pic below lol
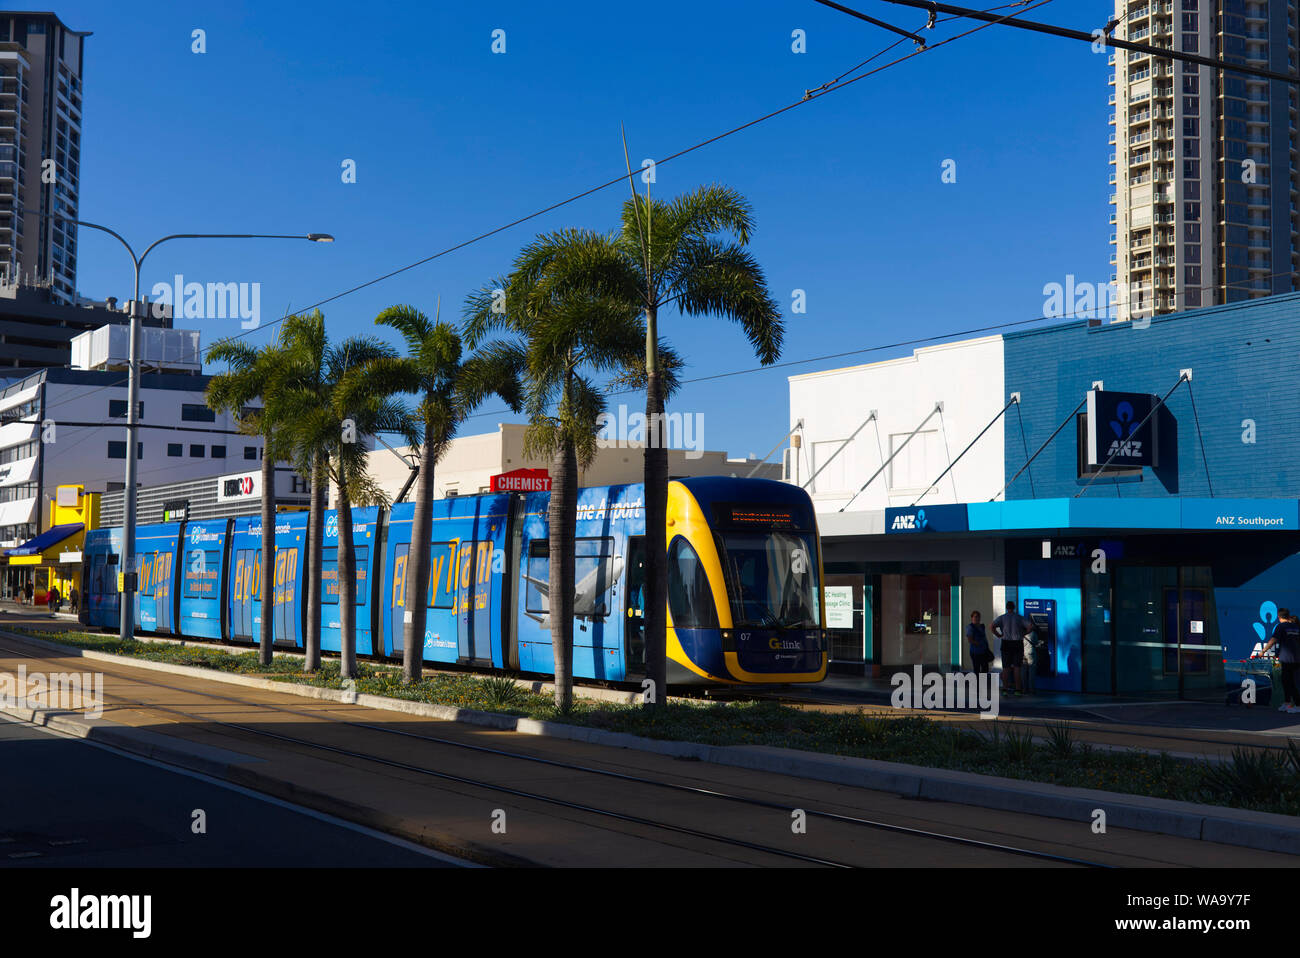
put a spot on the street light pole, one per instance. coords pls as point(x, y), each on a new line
point(127, 564)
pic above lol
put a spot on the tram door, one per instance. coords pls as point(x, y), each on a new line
point(473, 602)
point(634, 631)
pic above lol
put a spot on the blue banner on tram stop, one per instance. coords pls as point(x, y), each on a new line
point(1121, 429)
point(940, 518)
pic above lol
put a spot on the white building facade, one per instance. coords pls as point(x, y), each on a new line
point(890, 436)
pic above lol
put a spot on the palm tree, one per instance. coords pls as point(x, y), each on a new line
point(566, 335)
point(449, 387)
point(250, 377)
point(304, 345)
point(330, 425)
point(689, 251)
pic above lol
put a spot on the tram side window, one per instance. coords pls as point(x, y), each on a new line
point(443, 574)
point(690, 599)
point(329, 576)
point(146, 568)
point(593, 566)
point(201, 569)
point(362, 561)
point(539, 576)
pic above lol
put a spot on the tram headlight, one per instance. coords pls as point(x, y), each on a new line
point(728, 641)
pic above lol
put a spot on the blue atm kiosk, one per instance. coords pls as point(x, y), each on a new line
point(1042, 612)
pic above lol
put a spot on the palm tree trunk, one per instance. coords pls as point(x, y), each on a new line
point(563, 518)
point(266, 634)
point(656, 519)
point(417, 591)
point(316, 527)
point(347, 581)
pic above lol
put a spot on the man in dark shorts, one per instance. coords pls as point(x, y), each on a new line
point(1012, 628)
point(1286, 636)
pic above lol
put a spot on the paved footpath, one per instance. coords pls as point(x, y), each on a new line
point(502, 798)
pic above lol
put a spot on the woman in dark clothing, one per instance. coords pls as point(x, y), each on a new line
point(981, 655)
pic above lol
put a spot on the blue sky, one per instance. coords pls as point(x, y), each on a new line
point(451, 140)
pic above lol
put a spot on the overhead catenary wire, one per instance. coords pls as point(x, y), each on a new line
point(808, 96)
point(1102, 37)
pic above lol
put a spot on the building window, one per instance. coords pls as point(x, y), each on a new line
point(117, 409)
point(117, 449)
point(175, 449)
point(193, 412)
point(250, 452)
point(218, 452)
point(1192, 275)
point(196, 451)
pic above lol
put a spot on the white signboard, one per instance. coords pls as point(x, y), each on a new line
point(1198, 626)
point(242, 485)
point(839, 607)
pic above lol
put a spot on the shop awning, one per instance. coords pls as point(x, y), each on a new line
point(50, 537)
point(1134, 514)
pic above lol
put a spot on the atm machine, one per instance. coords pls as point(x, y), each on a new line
point(1042, 613)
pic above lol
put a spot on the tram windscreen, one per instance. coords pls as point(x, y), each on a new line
point(771, 579)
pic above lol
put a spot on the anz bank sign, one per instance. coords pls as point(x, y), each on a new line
point(1121, 429)
point(944, 518)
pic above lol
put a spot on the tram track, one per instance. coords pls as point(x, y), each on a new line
point(834, 818)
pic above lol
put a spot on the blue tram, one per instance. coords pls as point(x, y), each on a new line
point(744, 598)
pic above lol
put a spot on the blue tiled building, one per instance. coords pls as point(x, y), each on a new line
point(1154, 578)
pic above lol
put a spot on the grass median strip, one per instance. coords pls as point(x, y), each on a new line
point(1253, 779)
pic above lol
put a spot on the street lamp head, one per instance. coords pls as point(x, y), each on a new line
point(320, 237)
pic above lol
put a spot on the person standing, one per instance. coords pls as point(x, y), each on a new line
point(30, 591)
point(73, 598)
point(1013, 628)
point(1286, 636)
point(981, 656)
point(54, 599)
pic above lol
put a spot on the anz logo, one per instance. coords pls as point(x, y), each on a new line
point(1124, 425)
point(912, 522)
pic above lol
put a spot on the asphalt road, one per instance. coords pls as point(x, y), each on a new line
point(70, 804)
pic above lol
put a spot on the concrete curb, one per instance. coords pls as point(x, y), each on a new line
point(1261, 830)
